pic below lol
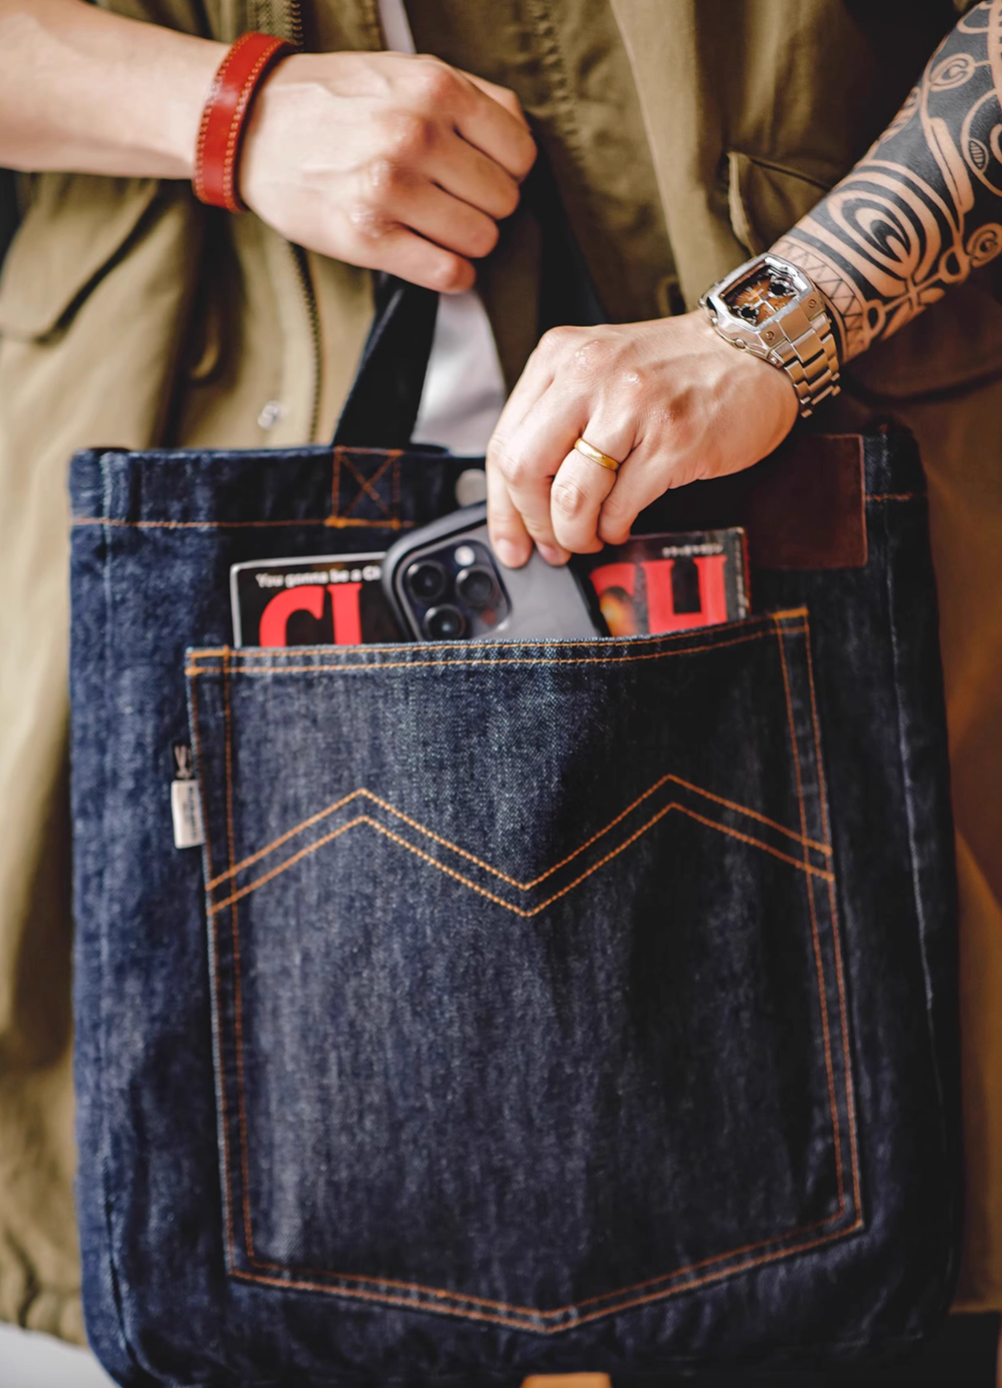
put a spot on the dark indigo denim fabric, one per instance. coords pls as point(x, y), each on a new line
point(531, 1007)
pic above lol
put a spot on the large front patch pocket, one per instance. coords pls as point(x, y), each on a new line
point(529, 1000)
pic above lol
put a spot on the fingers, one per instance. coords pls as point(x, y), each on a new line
point(558, 491)
point(576, 497)
point(489, 122)
point(408, 198)
point(469, 175)
point(527, 464)
point(509, 537)
point(523, 487)
point(401, 252)
point(504, 96)
point(637, 485)
point(666, 398)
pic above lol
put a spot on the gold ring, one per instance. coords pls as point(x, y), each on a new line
point(596, 455)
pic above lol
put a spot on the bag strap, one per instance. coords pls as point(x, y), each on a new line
point(382, 405)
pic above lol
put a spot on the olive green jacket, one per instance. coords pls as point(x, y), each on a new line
point(684, 135)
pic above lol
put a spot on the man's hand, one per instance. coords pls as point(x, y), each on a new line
point(385, 160)
point(668, 399)
point(388, 161)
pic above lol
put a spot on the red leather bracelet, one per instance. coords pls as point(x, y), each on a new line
point(224, 117)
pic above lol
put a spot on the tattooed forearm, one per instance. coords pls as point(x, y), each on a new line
point(923, 208)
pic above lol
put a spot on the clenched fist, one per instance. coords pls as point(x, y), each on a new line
point(387, 161)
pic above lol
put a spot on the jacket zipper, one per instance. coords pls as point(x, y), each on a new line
point(313, 314)
point(292, 25)
point(293, 9)
point(294, 13)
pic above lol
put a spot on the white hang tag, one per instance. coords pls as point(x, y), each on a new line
point(186, 812)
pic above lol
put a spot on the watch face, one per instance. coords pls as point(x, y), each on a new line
point(765, 292)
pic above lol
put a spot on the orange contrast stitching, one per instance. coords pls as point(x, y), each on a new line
point(472, 857)
point(367, 484)
point(343, 522)
point(237, 985)
point(203, 128)
point(229, 188)
point(532, 1323)
point(829, 1065)
point(839, 972)
point(766, 624)
point(340, 521)
point(335, 489)
point(893, 496)
point(491, 896)
point(557, 1311)
point(488, 664)
point(227, 1197)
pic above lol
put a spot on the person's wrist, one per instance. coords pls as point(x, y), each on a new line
point(789, 249)
point(225, 117)
point(770, 308)
point(181, 113)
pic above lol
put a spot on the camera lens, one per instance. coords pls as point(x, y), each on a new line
point(426, 580)
point(476, 586)
point(444, 623)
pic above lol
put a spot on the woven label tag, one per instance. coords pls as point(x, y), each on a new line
point(186, 812)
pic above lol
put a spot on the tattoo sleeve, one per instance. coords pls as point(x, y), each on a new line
point(923, 207)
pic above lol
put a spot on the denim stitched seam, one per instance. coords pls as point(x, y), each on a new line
point(814, 918)
point(492, 896)
point(223, 1126)
point(531, 1318)
point(529, 1312)
point(531, 1321)
point(913, 863)
point(237, 984)
point(485, 664)
point(839, 969)
point(318, 521)
point(471, 857)
point(366, 487)
point(763, 626)
point(108, 1197)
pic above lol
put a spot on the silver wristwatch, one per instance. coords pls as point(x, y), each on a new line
point(769, 307)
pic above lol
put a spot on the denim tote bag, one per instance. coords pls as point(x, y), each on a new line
point(529, 1007)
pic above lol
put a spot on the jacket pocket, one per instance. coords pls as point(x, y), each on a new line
point(765, 199)
point(74, 228)
point(529, 1002)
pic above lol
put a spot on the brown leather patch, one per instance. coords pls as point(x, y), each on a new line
point(566, 1381)
point(802, 507)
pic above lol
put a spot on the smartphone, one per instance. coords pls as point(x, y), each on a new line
point(444, 584)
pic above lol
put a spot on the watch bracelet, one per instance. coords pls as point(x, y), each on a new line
point(811, 361)
point(812, 358)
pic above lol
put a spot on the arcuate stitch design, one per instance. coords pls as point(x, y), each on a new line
point(362, 791)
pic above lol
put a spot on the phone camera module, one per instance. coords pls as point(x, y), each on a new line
point(476, 587)
point(445, 623)
point(426, 580)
